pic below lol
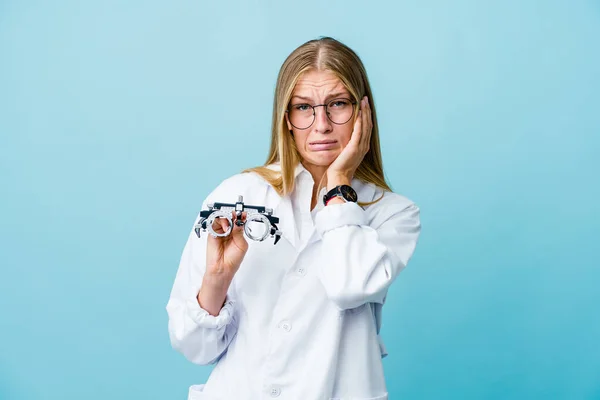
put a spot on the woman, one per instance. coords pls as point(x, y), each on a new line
point(300, 319)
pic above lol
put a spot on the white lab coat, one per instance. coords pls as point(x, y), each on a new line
point(301, 317)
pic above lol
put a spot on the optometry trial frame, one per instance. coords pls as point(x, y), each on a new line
point(253, 214)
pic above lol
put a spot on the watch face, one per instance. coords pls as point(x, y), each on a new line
point(348, 193)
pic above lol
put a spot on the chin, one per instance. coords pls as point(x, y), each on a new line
point(322, 160)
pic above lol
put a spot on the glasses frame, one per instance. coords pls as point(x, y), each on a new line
point(326, 112)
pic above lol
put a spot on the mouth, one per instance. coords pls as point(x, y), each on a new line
point(322, 145)
point(323, 142)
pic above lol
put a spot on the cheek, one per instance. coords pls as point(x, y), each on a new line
point(345, 134)
point(300, 140)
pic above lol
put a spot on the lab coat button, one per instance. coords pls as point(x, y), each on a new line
point(301, 271)
point(285, 325)
point(275, 392)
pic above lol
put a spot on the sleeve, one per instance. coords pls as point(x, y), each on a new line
point(367, 257)
point(202, 338)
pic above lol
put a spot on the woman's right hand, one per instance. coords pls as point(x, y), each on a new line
point(224, 255)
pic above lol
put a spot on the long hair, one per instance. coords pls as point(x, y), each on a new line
point(323, 54)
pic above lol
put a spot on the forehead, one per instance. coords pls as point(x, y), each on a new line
point(314, 83)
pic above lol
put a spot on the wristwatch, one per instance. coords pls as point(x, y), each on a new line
point(344, 191)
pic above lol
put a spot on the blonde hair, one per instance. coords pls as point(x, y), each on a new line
point(322, 54)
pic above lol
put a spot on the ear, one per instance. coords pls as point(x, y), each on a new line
point(287, 120)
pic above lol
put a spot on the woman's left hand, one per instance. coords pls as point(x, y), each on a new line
point(344, 166)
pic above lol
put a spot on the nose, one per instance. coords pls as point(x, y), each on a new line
point(322, 122)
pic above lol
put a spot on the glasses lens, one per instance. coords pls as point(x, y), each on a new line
point(301, 115)
point(257, 227)
point(340, 111)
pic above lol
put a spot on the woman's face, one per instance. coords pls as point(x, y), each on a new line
point(323, 141)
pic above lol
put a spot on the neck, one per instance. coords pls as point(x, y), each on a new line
point(317, 172)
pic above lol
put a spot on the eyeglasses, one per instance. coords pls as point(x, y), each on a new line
point(339, 111)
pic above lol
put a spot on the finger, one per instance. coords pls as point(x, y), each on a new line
point(367, 125)
point(369, 115)
point(216, 225)
point(244, 215)
point(235, 218)
point(238, 231)
point(357, 132)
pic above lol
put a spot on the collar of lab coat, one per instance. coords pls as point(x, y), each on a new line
point(283, 207)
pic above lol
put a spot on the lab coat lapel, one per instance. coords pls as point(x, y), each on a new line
point(283, 209)
point(285, 212)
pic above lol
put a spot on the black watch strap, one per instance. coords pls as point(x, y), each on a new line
point(344, 191)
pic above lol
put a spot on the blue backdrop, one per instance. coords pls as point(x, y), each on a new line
point(489, 117)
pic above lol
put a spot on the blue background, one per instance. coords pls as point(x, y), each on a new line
point(490, 121)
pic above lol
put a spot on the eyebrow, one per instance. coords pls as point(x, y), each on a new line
point(333, 95)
